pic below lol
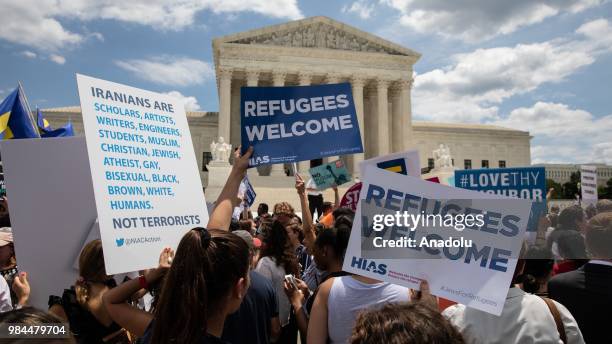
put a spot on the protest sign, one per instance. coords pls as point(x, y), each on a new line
point(146, 181)
point(588, 184)
point(351, 197)
point(50, 220)
point(406, 163)
point(296, 123)
point(330, 174)
point(521, 182)
point(246, 191)
point(489, 260)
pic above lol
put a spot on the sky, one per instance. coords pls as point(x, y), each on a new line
point(544, 66)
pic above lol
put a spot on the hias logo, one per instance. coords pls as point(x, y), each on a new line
point(259, 160)
point(119, 242)
point(369, 265)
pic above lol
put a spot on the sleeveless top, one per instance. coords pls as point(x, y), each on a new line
point(84, 325)
point(348, 297)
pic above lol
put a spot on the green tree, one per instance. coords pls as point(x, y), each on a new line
point(605, 192)
point(570, 189)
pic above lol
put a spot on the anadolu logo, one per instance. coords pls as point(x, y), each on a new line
point(119, 242)
point(260, 160)
point(369, 265)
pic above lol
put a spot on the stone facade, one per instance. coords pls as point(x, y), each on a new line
point(561, 173)
point(471, 142)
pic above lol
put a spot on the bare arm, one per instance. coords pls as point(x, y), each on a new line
point(336, 197)
point(275, 329)
point(296, 298)
point(131, 318)
point(317, 327)
point(224, 208)
point(307, 225)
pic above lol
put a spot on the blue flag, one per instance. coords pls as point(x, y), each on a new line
point(43, 125)
point(64, 131)
point(15, 120)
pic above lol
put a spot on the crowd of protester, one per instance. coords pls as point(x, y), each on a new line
point(277, 278)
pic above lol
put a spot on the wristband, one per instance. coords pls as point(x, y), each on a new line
point(142, 281)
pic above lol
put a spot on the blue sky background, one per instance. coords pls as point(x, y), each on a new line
point(537, 65)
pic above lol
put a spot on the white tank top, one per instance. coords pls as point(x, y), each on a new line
point(348, 296)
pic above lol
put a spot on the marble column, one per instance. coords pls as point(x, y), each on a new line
point(382, 117)
point(304, 79)
point(405, 87)
point(357, 84)
point(332, 78)
point(225, 98)
point(397, 120)
point(278, 80)
point(252, 78)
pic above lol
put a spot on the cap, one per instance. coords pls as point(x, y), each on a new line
point(247, 237)
point(6, 236)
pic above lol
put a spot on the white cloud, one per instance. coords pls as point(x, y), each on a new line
point(476, 83)
point(36, 23)
point(29, 54)
point(169, 70)
point(563, 134)
point(362, 8)
point(57, 59)
point(191, 103)
point(472, 21)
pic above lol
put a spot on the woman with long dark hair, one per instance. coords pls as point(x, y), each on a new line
point(205, 281)
point(81, 306)
point(277, 260)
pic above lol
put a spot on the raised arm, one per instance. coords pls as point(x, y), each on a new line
point(131, 318)
point(336, 197)
point(224, 208)
point(307, 223)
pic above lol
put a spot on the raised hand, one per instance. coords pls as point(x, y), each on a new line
point(21, 287)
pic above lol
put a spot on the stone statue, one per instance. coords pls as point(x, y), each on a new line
point(442, 157)
point(220, 150)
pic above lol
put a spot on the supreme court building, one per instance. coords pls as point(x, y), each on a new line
point(320, 50)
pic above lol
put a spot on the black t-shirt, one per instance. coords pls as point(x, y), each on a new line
point(251, 322)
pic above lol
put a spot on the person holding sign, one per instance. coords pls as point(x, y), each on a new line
point(203, 283)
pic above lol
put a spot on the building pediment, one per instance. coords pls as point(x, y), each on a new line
point(317, 32)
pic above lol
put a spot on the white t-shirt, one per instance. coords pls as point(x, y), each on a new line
point(525, 319)
point(5, 296)
point(276, 274)
point(311, 185)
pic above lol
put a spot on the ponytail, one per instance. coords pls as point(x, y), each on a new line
point(205, 268)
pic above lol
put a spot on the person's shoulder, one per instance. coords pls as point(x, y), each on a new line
point(566, 279)
point(325, 287)
point(260, 282)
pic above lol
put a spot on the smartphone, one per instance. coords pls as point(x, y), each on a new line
point(291, 279)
